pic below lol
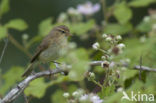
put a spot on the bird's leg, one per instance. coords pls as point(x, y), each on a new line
point(57, 66)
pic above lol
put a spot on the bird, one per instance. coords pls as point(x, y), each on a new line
point(50, 49)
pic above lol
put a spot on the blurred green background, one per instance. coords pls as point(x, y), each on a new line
point(134, 20)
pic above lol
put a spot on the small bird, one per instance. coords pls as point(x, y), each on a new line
point(51, 48)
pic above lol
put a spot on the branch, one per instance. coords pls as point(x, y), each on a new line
point(15, 92)
point(95, 63)
point(136, 67)
point(144, 68)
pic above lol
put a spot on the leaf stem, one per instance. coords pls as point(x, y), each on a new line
point(3, 51)
point(18, 45)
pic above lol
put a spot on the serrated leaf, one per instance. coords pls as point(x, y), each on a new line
point(45, 26)
point(10, 78)
point(4, 7)
point(118, 29)
point(36, 88)
point(17, 24)
point(3, 32)
point(122, 13)
point(141, 3)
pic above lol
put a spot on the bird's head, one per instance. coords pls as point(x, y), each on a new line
point(62, 30)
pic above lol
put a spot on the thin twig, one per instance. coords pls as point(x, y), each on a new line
point(3, 51)
point(136, 67)
point(18, 45)
point(104, 8)
point(15, 92)
point(144, 68)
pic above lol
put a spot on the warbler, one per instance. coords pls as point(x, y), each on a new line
point(51, 48)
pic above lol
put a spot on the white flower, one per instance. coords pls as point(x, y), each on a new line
point(84, 97)
point(104, 35)
point(72, 11)
point(95, 99)
point(118, 37)
point(109, 39)
point(75, 94)
point(25, 36)
point(120, 89)
point(146, 18)
point(66, 95)
point(96, 46)
point(78, 93)
point(62, 17)
point(121, 45)
point(88, 8)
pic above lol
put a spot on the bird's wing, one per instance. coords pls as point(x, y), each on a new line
point(44, 45)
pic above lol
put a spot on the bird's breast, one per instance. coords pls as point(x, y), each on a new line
point(54, 51)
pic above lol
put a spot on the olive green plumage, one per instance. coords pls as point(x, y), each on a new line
point(52, 47)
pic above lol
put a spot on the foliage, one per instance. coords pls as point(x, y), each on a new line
point(111, 76)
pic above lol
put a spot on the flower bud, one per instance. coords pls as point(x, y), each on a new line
point(75, 94)
point(118, 37)
point(105, 64)
point(146, 18)
point(121, 46)
point(91, 75)
point(96, 46)
point(104, 35)
point(25, 36)
point(103, 57)
point(108, 39)
point(66, 95)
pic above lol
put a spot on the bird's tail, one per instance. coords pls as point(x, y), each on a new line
point(28, 70)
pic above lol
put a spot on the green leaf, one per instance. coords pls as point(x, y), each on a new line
point(4, 7)
point(45, 26)
point(37, 88)
point(118, 29)
point(122, 13)
point(141, 3)
point(81, 28)
point(145, 26)
point(79, 64)
point(107, 91)
point(3, 32)
point(128, 74)
point(10, 78)
point(57, 97)
point(17, 24)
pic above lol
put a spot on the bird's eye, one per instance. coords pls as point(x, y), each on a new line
point(63, 31)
